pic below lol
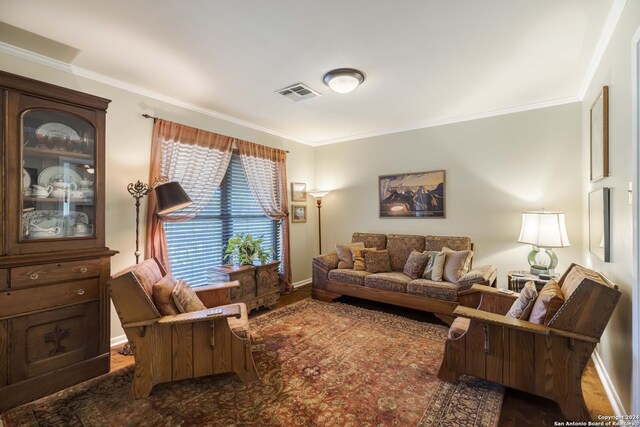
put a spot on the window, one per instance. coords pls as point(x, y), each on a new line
point(197, 245)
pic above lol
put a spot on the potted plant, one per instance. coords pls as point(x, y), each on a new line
point(243, 249)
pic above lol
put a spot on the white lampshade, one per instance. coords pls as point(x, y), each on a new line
point(318, 194)
point(544, 229)
point(343, 80)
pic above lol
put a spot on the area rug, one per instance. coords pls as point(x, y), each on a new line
point(320, 365)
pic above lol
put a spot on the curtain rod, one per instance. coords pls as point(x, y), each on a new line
point(147, 116)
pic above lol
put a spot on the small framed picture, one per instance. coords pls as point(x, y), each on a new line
point(299, 213)
point(298, 192)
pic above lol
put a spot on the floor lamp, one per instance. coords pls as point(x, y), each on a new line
point(318, 195)
point(170, 196)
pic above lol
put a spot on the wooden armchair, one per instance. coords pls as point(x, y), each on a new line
point(547, 361)
point(188, 345)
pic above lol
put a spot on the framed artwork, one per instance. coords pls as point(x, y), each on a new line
point(600, 136)
point(599, 224)
point(298, 192)
point(412, 195)
point(299, 213)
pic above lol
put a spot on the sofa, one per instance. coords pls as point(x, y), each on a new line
point(440, 297)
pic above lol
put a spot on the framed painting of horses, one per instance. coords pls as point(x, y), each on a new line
point(412, 195)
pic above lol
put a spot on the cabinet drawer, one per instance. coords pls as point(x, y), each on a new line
point(49, 273)
point(17, 301)
point(4, 283)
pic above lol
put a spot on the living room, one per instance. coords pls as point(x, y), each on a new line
point(500, 158)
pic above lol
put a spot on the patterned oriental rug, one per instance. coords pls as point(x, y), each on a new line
point(320, 365)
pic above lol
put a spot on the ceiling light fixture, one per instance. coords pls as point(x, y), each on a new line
point(343, 80)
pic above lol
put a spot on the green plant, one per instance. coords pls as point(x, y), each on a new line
point(243, 249)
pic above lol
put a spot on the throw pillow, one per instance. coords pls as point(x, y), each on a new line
point(377, 261)
point(345, 254)
point(358, 258)
point(416, 263)
point(185, 298)
point(521, 308)
point(162, 296)
point(547, 304)
point(456, 264)
point(435, 267)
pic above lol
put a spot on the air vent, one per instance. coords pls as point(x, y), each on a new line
point(298, 92)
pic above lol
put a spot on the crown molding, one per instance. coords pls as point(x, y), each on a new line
point(601, 46)
point(110, 81)
point(452, 120)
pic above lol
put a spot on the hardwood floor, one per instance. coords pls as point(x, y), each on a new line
point(518, 409)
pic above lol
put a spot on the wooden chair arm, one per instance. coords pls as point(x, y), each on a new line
point(231, 310)
point(522, 325)
point(487, 298)
point(216, 294)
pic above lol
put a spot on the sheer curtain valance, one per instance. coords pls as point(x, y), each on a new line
point(198, 160)
point(266, 171)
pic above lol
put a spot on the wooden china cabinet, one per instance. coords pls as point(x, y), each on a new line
point(54, 306)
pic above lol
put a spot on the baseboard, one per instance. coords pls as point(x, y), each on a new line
point(120, 339)
point(302, 283)
point(612, 394)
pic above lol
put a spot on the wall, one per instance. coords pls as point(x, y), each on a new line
point(495, 168)
point(128, 142)
point(615, 71)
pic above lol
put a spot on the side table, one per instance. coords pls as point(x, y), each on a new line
point(518, 278)
point(259, 285)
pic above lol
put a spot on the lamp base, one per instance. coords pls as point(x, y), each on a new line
point(538, 268)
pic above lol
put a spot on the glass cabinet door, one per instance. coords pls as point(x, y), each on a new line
point(58, 168)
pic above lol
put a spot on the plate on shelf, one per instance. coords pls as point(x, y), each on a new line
point(56, 130)
point(69, 175)
point(26, 179)
point(51, 218)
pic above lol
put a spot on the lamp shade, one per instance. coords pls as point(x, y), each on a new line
point(318, 194)
point(171, 197)
point(343, 80)
point(544, 229)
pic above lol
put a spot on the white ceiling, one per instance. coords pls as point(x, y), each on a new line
point(426, 61)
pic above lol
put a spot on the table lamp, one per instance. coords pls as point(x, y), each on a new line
point(544, 230)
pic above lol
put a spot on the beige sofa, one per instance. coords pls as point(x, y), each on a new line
point(394, 287)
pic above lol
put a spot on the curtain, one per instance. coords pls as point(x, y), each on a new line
point(266, 172)
point(198, 160)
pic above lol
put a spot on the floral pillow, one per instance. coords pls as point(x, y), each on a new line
point(416, 263)
point(377, 261)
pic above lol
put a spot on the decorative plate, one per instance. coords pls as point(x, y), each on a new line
point(57, 130)
point(51, 218)
point(69, 175)
point(26, 179)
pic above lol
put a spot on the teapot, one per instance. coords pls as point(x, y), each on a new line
point(40, 191)
point(36, 231)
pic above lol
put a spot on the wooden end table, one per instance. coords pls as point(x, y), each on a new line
point(516, 280)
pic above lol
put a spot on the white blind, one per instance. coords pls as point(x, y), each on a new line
point(197, 245)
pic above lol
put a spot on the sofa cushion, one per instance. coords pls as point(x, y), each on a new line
point(416, 264)
point(351, 277)
point(432, 289)
point(370, 240)
point(458, 327)
point(345, 254)
point(377, 261)
point(162, 296)
point(392, 281)
point(456, 264)
point(547, 303)
point(358, 258)
point(483, 275)
point(400, 247)
point(436, 243)
point(185, 298)
point(521, 308)
point(435, 267)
